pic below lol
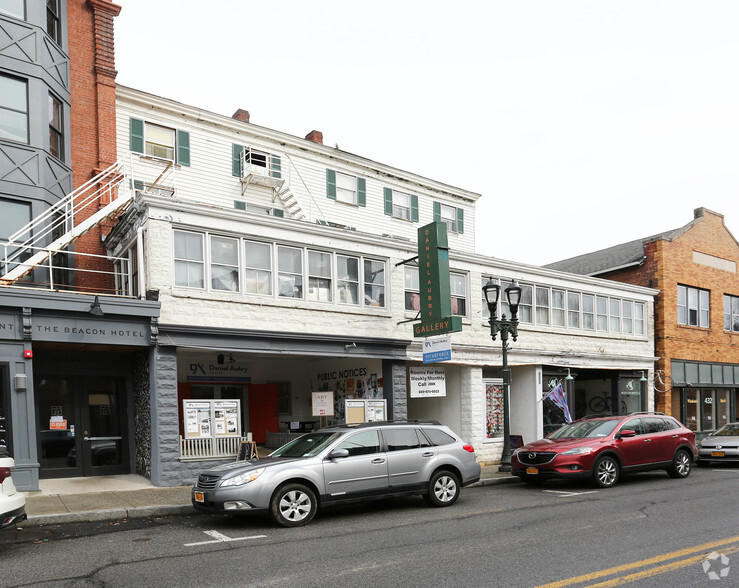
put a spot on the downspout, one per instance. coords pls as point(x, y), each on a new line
point(140, 261)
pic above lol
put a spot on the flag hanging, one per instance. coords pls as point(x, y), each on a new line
point(557, 395)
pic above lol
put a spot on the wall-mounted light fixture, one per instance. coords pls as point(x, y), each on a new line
point(95, 308)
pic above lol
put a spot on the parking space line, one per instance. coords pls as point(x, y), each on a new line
point(221, 538)
point(565, 493)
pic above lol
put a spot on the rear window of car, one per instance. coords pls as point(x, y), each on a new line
point(438, 437)
point(399, 439)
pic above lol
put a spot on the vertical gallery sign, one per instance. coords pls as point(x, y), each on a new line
point(433, 276)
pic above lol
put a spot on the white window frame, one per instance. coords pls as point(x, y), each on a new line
point(412, 286)
point(402, 210)
point(448, 215)
point(693, 300)
point(189, 262)
point(257, 271)
point(731, 313)
point(588, 314)
point(6, 107)
point(296, 277)
point(573, 309)
point(234, 267)
point(347, 285)
point(458, 291)
point(317, 290)
point(149, 142)
point(344, 193)
point(374, 291)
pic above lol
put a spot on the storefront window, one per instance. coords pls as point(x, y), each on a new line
point(494, 405)
point(691, 410)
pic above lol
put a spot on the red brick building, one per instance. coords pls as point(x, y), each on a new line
point(696, 314)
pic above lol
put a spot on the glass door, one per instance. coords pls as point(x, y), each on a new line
point(103, 450)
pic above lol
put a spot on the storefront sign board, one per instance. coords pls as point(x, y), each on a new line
point(427, 382)
point(437, 349)
point(323, 403)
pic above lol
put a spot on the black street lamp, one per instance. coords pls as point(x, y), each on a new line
point(505, 327)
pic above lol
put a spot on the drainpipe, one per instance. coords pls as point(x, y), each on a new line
point(140, 261)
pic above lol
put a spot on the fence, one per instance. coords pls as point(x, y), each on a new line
point(209, 448)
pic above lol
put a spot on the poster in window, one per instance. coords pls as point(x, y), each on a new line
point(494, 407)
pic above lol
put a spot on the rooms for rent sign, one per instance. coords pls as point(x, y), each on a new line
point(427, 382)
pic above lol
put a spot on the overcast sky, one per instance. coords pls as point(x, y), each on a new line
point(583, 124)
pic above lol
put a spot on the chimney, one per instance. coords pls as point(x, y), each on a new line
point(242, 115)
point(315, 136)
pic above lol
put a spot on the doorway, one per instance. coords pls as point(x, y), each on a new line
point(81, 426)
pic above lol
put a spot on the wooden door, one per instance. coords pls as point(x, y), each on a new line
point(263, 411)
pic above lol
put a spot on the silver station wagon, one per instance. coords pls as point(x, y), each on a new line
point(340, 464)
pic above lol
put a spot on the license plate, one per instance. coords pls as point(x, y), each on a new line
point(717, 453)
point(532, 470)
point(199, 497)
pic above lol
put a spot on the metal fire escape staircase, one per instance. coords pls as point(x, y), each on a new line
point(107, 194)
point(268, 170)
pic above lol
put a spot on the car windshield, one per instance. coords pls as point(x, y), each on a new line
point(306, 445)
point(584, 430)
point(730, 430)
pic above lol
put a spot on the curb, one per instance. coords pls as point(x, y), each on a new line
point(495, 481)
point(92, 516)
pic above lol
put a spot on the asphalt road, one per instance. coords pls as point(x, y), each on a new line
point(649, 530)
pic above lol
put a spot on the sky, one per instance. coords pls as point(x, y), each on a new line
point(583, 124)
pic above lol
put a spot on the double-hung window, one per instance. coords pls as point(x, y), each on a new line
point(452, 216)
point(258, 265)
point(615, 312)
point(374, 283)
point(588, 312)
point(159, 141)
point(458, 289)
point(627, 317)
point(639, 328)
point(319, 276)
point(224, 263)
point(347, 279)
point(573, 310)
point(401, 205)
point(542, 306)
point(189, 260)
point(53, 20)
point(601, 313)
point(13, 109)
point(558, 308)
point(56, 136)
point(731, 313)
point(412, 289)
point(692, 306)
point(346, 188)
point(290, 271)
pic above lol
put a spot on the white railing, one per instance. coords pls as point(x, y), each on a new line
point(208, 448)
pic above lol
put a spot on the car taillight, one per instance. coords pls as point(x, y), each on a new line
point(4, 473)
point(469, 448)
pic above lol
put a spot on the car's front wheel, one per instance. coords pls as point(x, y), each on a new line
point(680, 465)
point(443, 489)
point(606, 472)
point(293, 505)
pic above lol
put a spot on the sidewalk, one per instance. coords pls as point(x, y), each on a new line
point(105, 498)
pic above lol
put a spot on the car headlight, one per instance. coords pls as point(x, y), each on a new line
point(579, 451)
point(242, 479)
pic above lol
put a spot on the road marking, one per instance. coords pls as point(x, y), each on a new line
point(704, 549)
point(221, 538)
point(565, 493)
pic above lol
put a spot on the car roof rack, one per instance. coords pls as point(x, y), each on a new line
point(384, 423)
point(646, 412)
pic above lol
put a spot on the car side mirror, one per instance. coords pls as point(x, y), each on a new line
point(626, 433)
point(337, 453)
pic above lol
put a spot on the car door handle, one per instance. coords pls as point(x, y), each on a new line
point(378, 460)
point(647, 440)
point(428, 454)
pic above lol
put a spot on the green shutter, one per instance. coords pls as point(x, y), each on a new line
point(331, 184)
point(183, 147)
point(460, 221)
point(278, 212)
point(414, 208)
point(137, 135)
point(388, 196)
point(239, 205)
point(361, 192)
point(437, 212)
point(275, 166)
point(236, 160)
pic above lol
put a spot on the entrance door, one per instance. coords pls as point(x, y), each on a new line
point(263, 411)
point(81, 426)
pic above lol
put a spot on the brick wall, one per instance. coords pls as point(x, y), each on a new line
point(92, 121)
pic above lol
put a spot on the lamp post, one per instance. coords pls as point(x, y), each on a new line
point(505, 327)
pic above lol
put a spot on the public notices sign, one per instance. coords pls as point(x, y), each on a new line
point(427, 382)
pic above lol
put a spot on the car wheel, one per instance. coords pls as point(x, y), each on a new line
point(443, 489)
point(293, 505)
point(606, 472)
point(680, 465)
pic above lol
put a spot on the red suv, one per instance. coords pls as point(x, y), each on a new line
point(605, 448)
